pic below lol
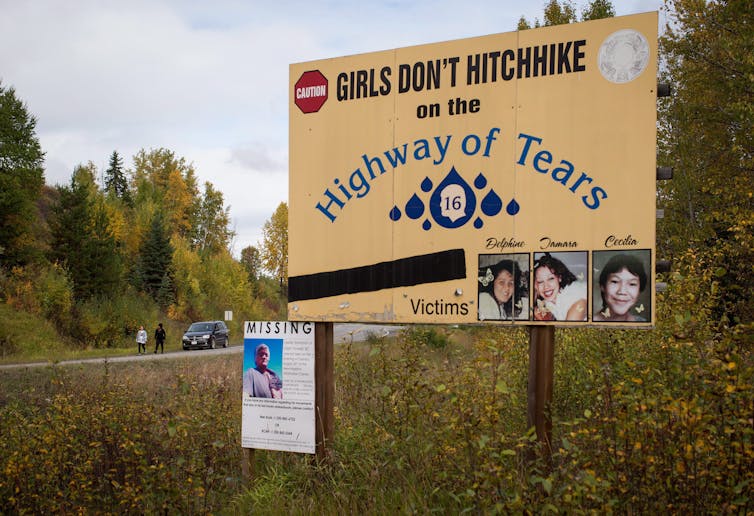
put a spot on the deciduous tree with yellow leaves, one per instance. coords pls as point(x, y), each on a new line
point(275, 245)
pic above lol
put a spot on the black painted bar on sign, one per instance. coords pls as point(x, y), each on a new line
point(405, 272)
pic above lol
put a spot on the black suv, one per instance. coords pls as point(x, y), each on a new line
point(206, 334)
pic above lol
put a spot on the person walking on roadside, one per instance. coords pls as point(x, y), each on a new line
point(141, 339)
point(159, 338)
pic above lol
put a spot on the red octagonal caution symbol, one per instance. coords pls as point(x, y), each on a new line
point(310, 91)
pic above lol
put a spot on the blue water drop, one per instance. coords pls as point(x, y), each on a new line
point(512, 207)
point(453, 202)
point(426, 185)
point(395, 214)
point(480, 181)
point(492, 204)
point(478, 223)
point(414, 207)
point(427, 225)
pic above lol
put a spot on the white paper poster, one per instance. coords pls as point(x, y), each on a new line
point(278, 386)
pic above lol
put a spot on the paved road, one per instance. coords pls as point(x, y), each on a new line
point(132, 358)
point(342, 333)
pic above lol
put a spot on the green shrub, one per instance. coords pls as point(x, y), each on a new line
point(426, 335)
point(113, 321)
point(40, 290)
point(26, 335)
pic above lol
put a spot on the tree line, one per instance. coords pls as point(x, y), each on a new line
point(148, 242)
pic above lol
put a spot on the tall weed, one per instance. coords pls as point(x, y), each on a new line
point(133, 442)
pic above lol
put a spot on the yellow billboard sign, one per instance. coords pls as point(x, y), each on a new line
point(508, 177)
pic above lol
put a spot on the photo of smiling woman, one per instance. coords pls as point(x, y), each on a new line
point(622, 286)
point(503, 287)
point(560, 292)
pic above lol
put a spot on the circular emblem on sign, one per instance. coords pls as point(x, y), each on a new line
point(623, 56)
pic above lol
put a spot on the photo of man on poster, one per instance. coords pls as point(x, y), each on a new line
point(261, 381)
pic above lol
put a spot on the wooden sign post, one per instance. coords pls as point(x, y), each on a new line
point(541, 358)
point(324, 387)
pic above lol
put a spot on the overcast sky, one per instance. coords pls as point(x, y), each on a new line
point(207, 80)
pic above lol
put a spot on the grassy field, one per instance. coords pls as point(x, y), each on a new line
point(434, 421)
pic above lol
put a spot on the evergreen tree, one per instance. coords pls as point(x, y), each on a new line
point(153, 271)
point(71, 231)
point(83, 240)
point(116, 183)
point(21, 179)
point(102, 257)
point(165, 295)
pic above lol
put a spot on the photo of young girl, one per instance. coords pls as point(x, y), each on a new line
point(621, 277)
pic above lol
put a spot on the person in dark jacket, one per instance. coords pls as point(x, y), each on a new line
point(159, 338)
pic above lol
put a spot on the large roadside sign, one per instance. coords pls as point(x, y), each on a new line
point(505, 178)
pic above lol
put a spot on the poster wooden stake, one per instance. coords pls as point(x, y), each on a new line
point(541, 357)
point(324, 387)
point(247, 464)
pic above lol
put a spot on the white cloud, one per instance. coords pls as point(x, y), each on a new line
point(258, 157)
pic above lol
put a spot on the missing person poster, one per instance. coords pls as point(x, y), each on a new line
point(278, 386)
